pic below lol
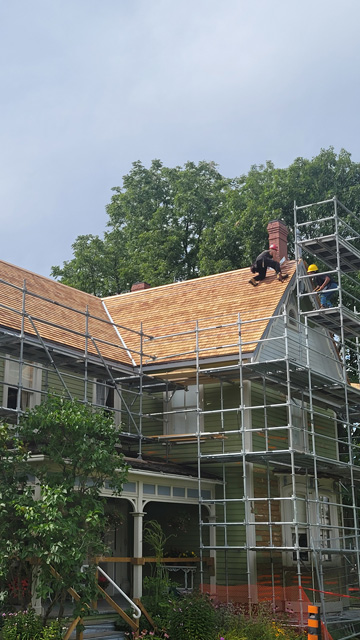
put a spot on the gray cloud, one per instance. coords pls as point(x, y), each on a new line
point(90, 86)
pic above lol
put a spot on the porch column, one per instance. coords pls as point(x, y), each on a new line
point(138, 553)
point(36, 602)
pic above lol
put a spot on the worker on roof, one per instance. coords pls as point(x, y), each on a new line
point(323, 283)
point(262, 262)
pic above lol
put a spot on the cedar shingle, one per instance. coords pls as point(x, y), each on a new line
point(213, 302)
point(167, 315)
point(57, 313)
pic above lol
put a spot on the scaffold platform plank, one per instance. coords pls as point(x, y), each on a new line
point(302, 377)
point(283, 461)
point(328, 391)
point(303, 461)
point(187, 437)
point(325, 248)
point(150, 384)
point(330, 319)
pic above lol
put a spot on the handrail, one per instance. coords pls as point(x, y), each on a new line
point(76, 596)
point(132, 604)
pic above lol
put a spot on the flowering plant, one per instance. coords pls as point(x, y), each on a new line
point(154, 635)
point(176, 553)
point(102, 581)
point(18, 588)
point(26, 625)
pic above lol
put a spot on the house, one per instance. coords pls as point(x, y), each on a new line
point(237, 419)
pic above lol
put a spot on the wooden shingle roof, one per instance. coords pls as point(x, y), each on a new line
point(57, 313)
point(169, 314)
point(178, 320)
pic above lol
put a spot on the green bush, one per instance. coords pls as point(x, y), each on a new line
point(149, 635)
point(26, 625)
point(196, 617)
point(193, 616)
point(236, 623)
point(52, 632)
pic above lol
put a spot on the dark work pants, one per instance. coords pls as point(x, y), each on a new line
point(262, 265)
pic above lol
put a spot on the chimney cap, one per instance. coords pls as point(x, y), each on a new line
point(277, 220)
point(139, 286)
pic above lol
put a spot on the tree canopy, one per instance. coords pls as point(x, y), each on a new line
point(52, 472)
point(167, 224)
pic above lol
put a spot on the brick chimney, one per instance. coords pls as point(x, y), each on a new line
point(278, 233)
point(139, 286)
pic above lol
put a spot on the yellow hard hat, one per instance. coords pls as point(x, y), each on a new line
point(312, 267)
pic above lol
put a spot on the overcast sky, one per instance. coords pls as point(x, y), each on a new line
point(89, 86)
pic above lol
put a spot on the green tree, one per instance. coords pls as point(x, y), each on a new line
point(167, 224)
point(70, 451)
point(15, 495)
point(95, 265)
point(266, 193)
point(156, 223)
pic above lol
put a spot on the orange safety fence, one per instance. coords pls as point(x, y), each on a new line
point(290, 600)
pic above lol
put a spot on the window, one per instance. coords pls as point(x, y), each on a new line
point(303, 542)
point(314, 518)
point(299, 514)
point(293, 318)
point(106, 395)
point(299, 435)
point(181, 410)
point(30, 393)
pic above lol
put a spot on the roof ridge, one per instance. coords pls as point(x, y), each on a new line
point(183, 282)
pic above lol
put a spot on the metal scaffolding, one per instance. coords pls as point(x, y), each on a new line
point(294, 426)
point(276, 422)
point(79, 359)
point(323, 523)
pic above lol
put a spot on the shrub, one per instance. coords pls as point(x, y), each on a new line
point(26, 625)
point(193, 616)
point(149, 635)
point(238, 623)
point(196, 617)
point(53, 631)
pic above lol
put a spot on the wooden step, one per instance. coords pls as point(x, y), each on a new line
point(99, 629)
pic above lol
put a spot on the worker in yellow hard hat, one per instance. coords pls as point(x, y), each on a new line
point(312, 268)
point(262, 262)
point(324, 284)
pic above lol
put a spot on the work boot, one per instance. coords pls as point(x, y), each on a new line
point(253, 282)
point(281, 277)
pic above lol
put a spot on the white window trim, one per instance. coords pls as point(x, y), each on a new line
point(313, 527)
point(293, 317)
point(117, 401)
point(299, 432)
point(34, 392)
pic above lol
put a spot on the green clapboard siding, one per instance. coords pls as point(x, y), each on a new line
point(304, 431)
point(52, 383)
point(221, 416)
point(234, 516)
